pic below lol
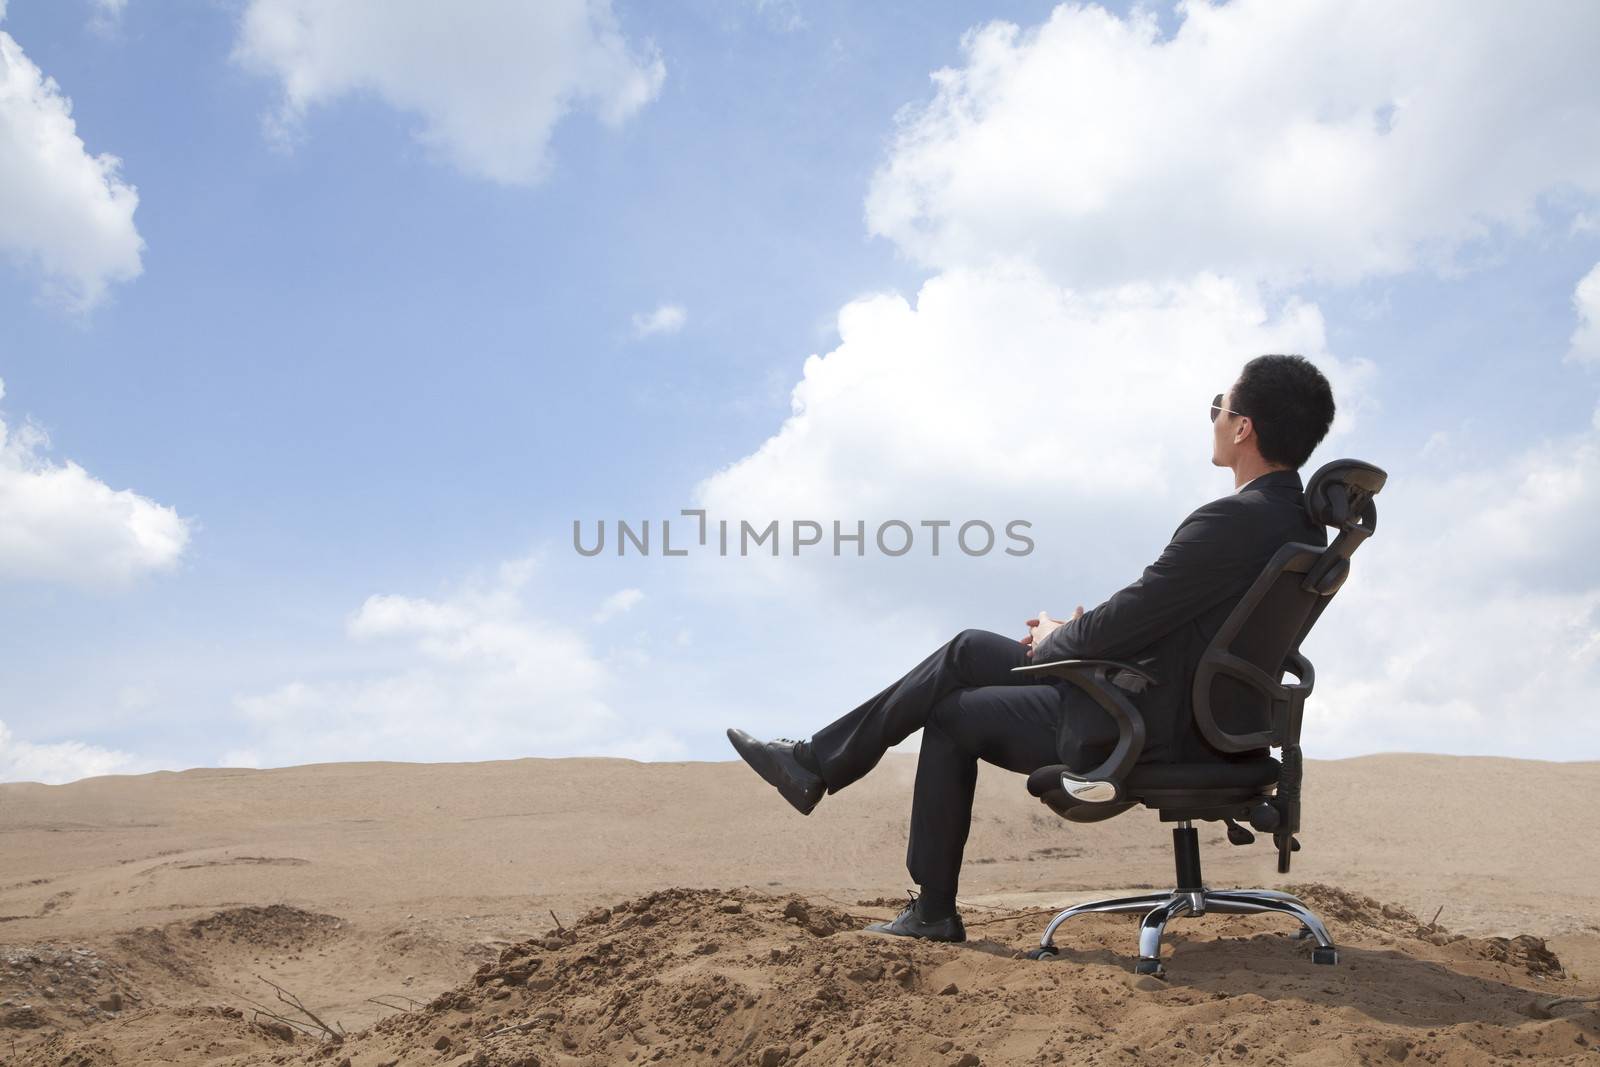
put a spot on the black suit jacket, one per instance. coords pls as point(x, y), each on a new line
point(1164, 620)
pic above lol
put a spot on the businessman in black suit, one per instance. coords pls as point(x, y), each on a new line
point(970, 706)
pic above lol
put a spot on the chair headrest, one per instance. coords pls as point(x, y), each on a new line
point(1340, 493)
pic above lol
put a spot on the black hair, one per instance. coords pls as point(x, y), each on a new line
point(1290, 404)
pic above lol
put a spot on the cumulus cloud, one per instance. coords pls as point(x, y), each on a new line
point(668, 318)
point(60, 523)
point(107, 14)
point(476, 674)
point(1095, 147)
point(998, 384)
point(1585, 346)
point(487, 84)
point(1472, 616)
point(68, 215)
point(63, 761)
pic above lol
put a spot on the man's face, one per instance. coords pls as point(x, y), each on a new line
point(1223, 431)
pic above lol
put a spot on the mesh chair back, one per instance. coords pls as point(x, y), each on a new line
point(1241, 703)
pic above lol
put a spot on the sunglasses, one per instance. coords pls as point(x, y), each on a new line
point(1217, 408)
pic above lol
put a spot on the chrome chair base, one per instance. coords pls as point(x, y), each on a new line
point(1161, 908)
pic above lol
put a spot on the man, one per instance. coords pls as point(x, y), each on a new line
point(970, 706)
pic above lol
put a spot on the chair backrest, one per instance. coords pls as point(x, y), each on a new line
point(1241, 704)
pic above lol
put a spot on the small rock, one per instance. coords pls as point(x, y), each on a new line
point(281, 1031)
point(944, 1046)
point(443, 1042)
point(111, 1003)
point(966, 1059)
point(772, 1055)
point(949, 990)
point(706, 948)
point(23, 1018)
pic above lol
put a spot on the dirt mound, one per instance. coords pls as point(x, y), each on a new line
point(680, 973)
point(1352, 909)
point(275, 927)
point(739, 976)
point(48, 985)
point(1525, 951)
point(1529, 953)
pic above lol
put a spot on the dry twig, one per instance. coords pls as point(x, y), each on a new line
point(334, 1035)
point(410, 1005)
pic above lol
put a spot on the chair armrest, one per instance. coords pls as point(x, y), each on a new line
point(1062, 667)
point(1090, 676)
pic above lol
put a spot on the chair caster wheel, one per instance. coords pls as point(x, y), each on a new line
point(1154, 967)
point(1324, 954)
point(1042, 954)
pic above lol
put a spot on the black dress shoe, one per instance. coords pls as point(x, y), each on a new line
point(774, 761)
point(910, 923)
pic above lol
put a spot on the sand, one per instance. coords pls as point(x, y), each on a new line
point(596, 911)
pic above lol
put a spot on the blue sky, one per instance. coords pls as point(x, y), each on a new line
point(372, 371)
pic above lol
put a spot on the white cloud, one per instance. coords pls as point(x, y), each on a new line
point(668, 318)
point(1585, 346)
point(64, 761)
point(1471, 619)
point(1333, 139)
point(107, 14)
point(999, 385)
point(618, 603)
point(68, 215)
point(474, 675)
point(488, 83)
point(60, 523)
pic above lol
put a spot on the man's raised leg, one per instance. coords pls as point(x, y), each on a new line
point(852, 745)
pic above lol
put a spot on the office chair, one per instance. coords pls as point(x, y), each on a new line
point(1242, 708)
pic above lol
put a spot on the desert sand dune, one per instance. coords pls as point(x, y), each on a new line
point(608, 911)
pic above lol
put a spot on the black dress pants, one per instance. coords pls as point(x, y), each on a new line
point(969, 706)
